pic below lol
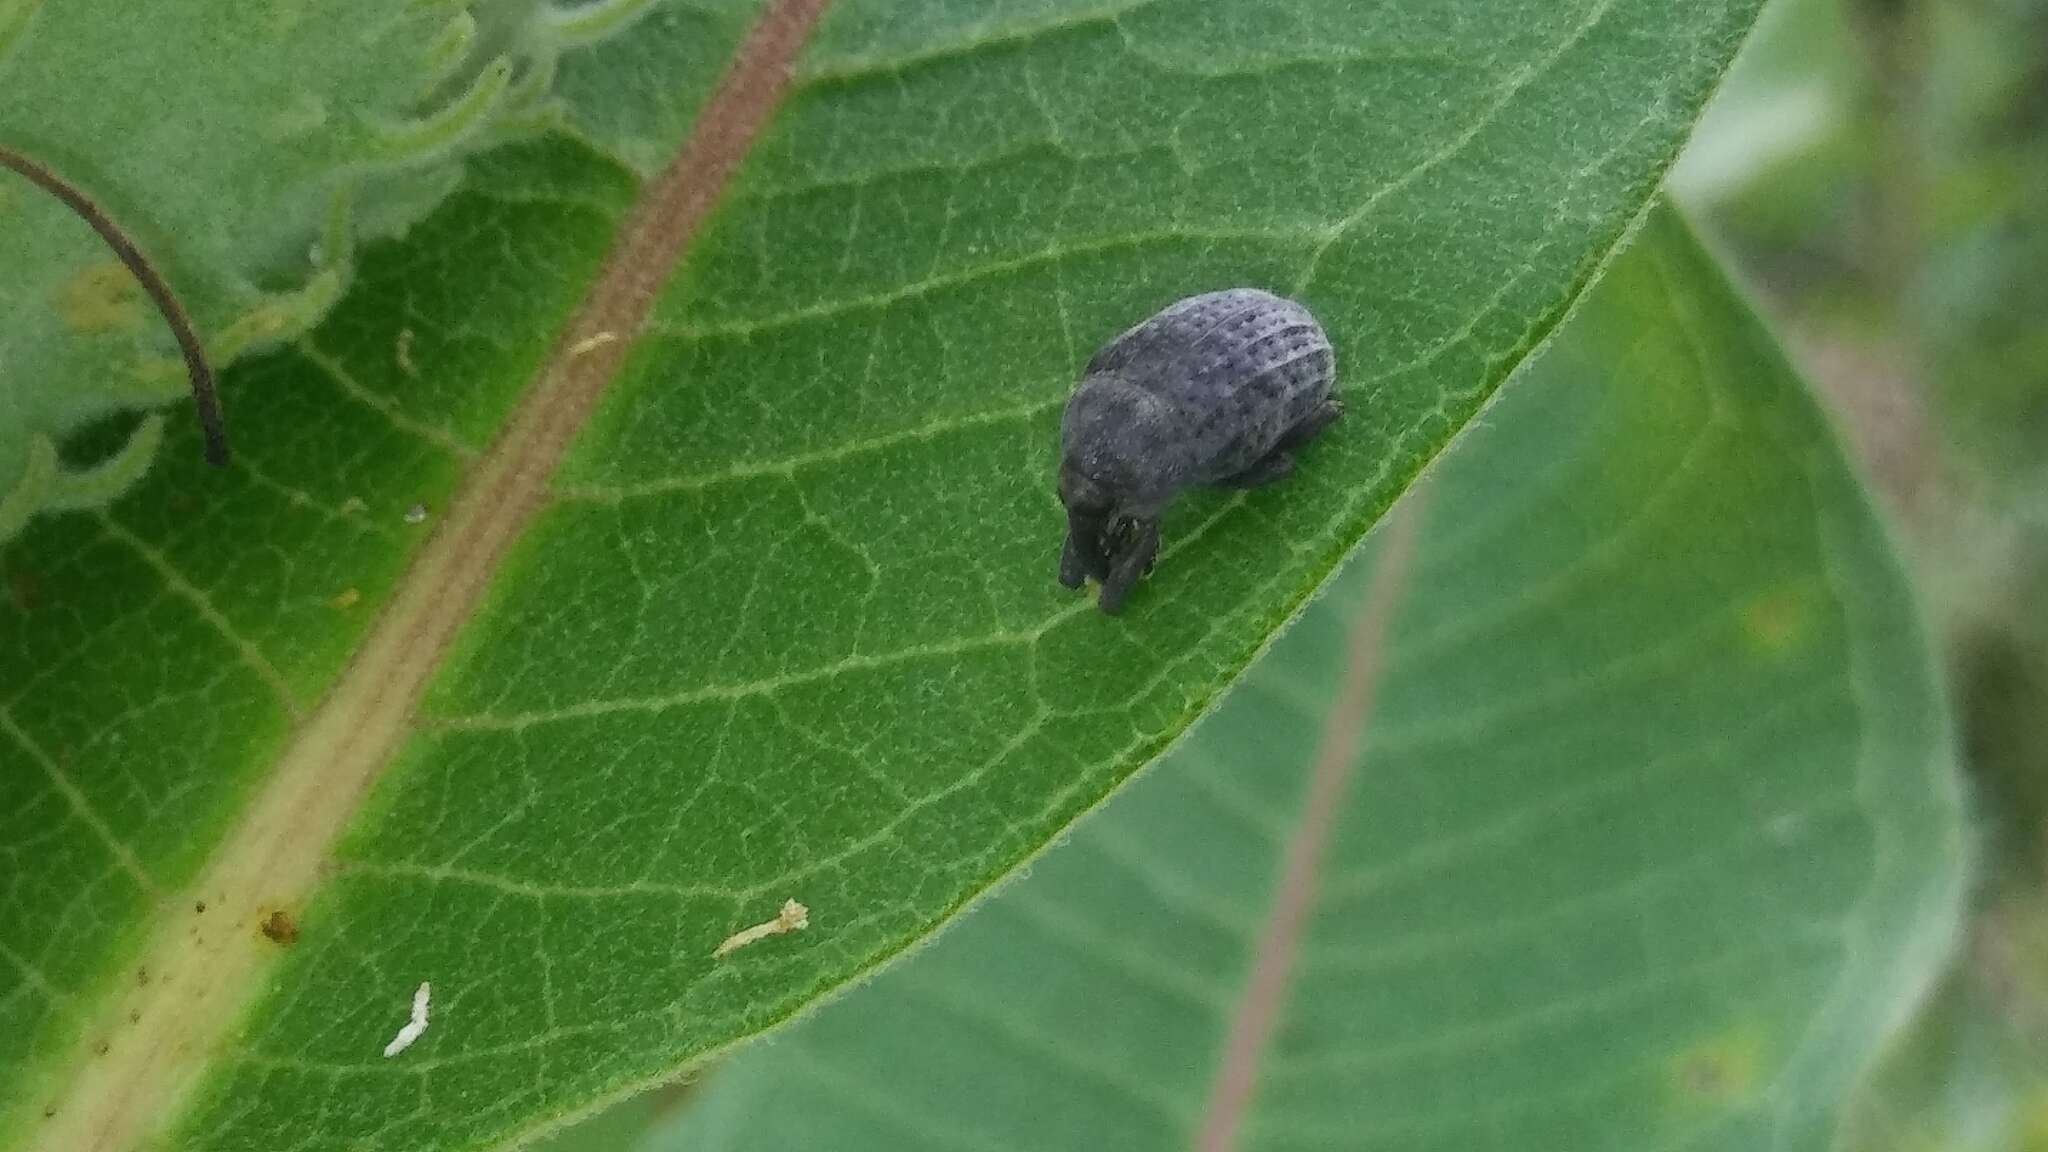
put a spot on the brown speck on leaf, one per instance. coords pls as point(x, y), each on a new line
point(135, 1016)
point(280, 928)
point(142, 976)
point(199, 907)
point(101, 1048)
point(404, 353)
point(1704, 1077)
point(1721, 1069)
point(22, 591)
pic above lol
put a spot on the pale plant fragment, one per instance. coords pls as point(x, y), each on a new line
point(565, 26)
point(794, 917)
point(592, 343)
point(415, 1027)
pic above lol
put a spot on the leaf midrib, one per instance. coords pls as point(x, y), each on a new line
point(197, 970)
point(1258, 1009)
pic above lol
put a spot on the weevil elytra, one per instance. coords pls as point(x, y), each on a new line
point(1220, 389)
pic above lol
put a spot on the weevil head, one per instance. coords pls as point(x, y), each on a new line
point(1090, 506)
point(1111, 441)
point(1085, 494)
point(1110, 477)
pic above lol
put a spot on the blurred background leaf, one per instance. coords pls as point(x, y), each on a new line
point(1902, 243)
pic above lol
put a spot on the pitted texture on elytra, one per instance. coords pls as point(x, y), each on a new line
point(1230, 372)
point(788, 633)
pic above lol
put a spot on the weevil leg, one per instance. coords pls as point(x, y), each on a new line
point(1274, 465)
point(1087, 548)
point(1140, 549)
point(1073, 566)
point(1311, 426)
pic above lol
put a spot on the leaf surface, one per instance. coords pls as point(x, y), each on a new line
point(1653, 832)
point(243, 150)
point(783, 624)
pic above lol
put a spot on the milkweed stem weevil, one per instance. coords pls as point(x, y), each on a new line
point(1220, 389)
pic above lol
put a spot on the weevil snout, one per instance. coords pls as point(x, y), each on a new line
point(1089, 510)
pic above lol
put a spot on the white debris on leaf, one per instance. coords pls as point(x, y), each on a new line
point(413, 1027)
point(794, 917)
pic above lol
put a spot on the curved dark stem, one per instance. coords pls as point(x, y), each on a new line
point(211, 422)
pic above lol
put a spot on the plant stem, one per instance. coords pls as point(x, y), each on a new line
point(212, 423)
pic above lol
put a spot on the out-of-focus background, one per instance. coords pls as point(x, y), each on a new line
point(1876, 171)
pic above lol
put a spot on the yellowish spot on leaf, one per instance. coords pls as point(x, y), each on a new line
point(160, 377)
point(102, 297)
point(1776, 622)
point(2034, 1122)
point(1720, 1072)
point(403, 353)
point(346, 599)
point(279, 318)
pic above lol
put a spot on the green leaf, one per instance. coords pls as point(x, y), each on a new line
point(1653, 833)
point(1971, 1073)
point(784, 624)
point(617, 1128)
point(243, 149)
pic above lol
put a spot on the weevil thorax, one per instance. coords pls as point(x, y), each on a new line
point(1116, 457)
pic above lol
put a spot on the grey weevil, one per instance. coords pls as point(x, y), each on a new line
point(1217, 389)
